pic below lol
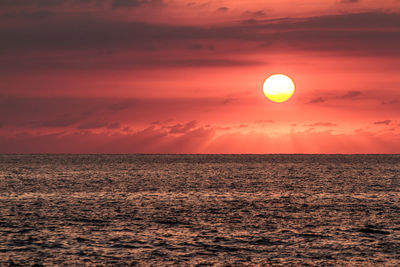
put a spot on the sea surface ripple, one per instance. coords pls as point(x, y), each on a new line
point(204, 210)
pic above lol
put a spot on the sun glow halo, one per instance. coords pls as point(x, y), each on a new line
point(278, 88)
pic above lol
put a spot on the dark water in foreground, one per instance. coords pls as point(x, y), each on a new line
point(201, 209)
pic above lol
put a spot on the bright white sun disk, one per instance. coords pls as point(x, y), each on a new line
point(278, 88)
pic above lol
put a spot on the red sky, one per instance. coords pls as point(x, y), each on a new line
point(174, 76)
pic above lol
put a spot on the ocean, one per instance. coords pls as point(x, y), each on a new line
point(204, 210)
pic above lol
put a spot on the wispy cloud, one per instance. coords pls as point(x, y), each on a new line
point(348, 1)
point(385, 122)
point(135, 3)
point(264, 121)
point(350, 95)
point(223, 9)
point(92, 125)
point(324, 124)
point(182, 128)
point(317, 100)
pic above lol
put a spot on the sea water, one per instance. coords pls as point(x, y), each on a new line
point(205, 210)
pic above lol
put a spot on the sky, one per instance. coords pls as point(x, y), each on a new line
point(174, 76)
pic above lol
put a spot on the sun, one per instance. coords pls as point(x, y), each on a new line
point(278, 88)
